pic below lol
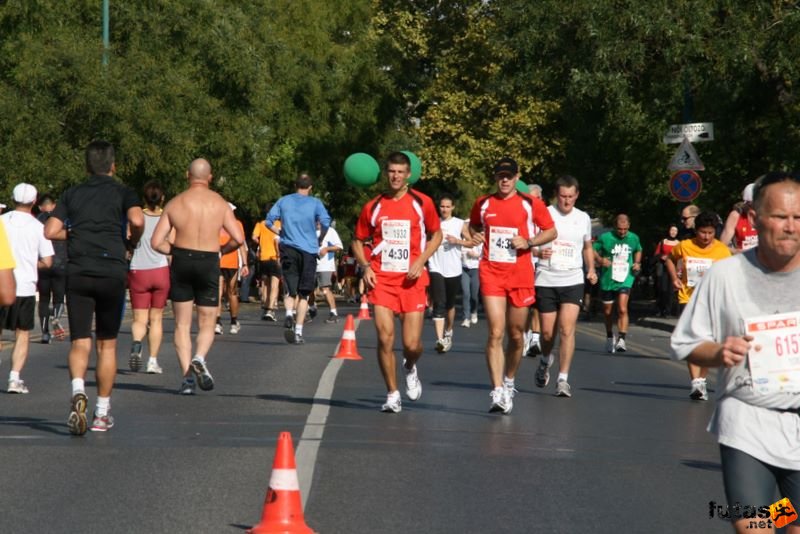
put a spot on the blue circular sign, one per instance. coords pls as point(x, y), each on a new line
point(685, 185)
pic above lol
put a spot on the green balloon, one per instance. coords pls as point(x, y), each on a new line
point(416, 167)
point(522, 187)
point(361, 170)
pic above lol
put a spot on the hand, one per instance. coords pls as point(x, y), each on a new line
point(677, 284)
point(453, 240)
point(519, 243)
point(245, 271)
point(415, 270)
point(546, 253)
point(592, 277)
point(477, 238)
point(733, 350)
point(369, 278)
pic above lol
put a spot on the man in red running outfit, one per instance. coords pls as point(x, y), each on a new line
point(504, 222)
point(405, 231)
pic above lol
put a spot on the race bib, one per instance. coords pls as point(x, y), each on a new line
point(774, 358)
point(396, 246)
point(566, 256)
point(500, 249)
point(620, 267)
point(695, 269)
point(749, 242)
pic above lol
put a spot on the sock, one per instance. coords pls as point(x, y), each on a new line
point(233, 319)
point(508, 382)
point(622, 335)
point(289, 313)
point(535, 337)
point(78, 386)
point(333, 311)
point(298, 329)
point(102, 406)
point(609, 334)
point(219, 321)
point(562, 377)
point(448, 333)
point(199, 357)
point(13, 375)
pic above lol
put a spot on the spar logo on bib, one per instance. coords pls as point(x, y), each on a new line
point(762, 326)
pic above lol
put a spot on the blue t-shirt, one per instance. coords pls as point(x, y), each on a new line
point(299, 215)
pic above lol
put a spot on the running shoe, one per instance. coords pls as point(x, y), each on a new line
point(218, 329)
point(542, 377)
point(58, 330)
point(17, 386)
point(135, 360)
point(619, 346)
point(332, 318)
point(153, 368)
point(413, 385)
point(501, 402)
point(393, 403)
point(508, 386)
point(610, 345)
point(699, 390)
point(187, 386)
point(77, 422)
point(293, 338)
point(201, 374)
point(288, 323)
point(444, 344)
point(563, 389)
point(102, 423)
point(466, 323)
point(535, 349)
point(473, 318)
point(269, 315)
point(45, 338)
point(312, 312)
point(235, 327)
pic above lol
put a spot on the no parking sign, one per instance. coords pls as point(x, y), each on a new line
point(685, 185)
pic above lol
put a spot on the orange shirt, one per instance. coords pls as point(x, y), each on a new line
point(231, 259)
point(267, 246)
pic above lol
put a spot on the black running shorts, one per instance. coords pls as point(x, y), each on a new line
point(101, 298)
point(194, 275)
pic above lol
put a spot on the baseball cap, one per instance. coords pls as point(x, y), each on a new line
point(747, 194)
point(505, 167)
point(24, 194)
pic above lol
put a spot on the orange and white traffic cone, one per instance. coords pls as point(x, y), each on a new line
point(347, 346)
point(363, 313)
point(283, 508)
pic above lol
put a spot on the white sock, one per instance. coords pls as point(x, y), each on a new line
point(102, 406)
point(289, 313)
point(535, 337)
point(562, 377)
point(333, 311)
point(13, 375)
point(298, 329)
point(508, 382)
point(199, 357)
point(78, 386)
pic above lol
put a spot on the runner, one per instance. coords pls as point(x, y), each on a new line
point(445, 271)
point(232, 268)
point(32, 252)
point(96, 271)
point(299, 214)
point(756, 426)
point(619, 254)
point(696, 256)
point(404, 229)
point(197, 215)
point(326, 266)
point(148, 283)
point(52, 283)
point(269, 267)
point(504, 222)
point(470, 285)
point(559, 282)
point(533, 344)
point(738, 233)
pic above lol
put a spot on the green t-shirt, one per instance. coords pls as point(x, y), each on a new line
point(620, 251)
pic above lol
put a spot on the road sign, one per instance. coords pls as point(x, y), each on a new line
point(686, 158)
point(685, 185)
point(694, 132)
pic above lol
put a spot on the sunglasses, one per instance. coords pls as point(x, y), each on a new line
point(684, 219)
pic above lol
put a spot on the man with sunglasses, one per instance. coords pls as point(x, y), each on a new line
point(743, 316)
point(688, 215)
point(504, 222)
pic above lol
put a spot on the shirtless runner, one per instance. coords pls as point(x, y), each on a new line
point(197, 215)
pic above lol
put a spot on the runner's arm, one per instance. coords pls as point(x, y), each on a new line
point(727, 354)
point(729, 229)
point(161, 240)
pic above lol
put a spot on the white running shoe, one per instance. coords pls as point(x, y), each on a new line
point(474, 318)
point(501, 402)
point(699, 389)
point(17, 386)
point(235, 327)
point(619, 346)
point(563, 389)
point(153, 368)
point(466, 323)
point(393, 403)
point(218, 329)
point(610, 345)
point(508, 386)
point(413, 385)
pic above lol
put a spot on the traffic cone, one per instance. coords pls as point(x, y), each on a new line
point(347, 346)
point(283, 509)
point(363, 313)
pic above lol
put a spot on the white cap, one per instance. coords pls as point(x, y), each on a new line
point(747, 194)
point(233, 208)
point(24, 194)
point(2, 206)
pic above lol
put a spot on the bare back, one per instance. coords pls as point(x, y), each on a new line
point(197, 215)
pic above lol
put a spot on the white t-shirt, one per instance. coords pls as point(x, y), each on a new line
point(565, 266)
point(328, 263)
point(471, 257)
point(447, 258)
point(28, 244)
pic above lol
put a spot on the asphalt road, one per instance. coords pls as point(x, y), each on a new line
point(628, 451)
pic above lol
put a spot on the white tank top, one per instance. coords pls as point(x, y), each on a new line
point(144, 257)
